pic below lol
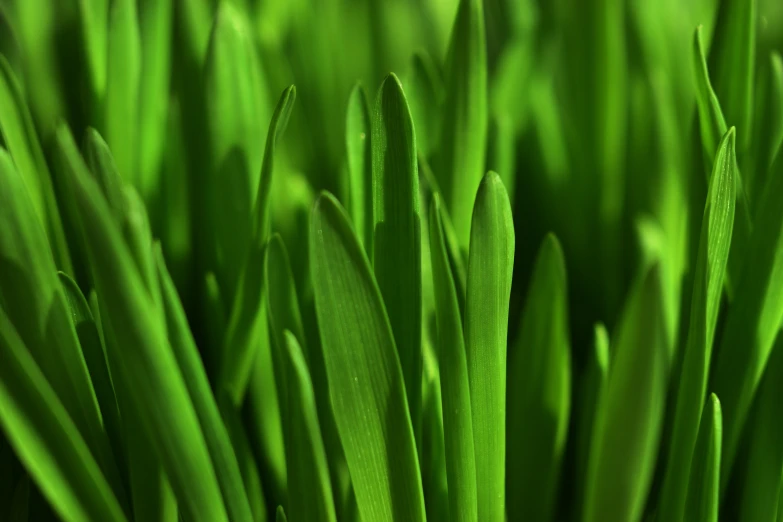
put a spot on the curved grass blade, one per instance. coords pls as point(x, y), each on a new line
point(753, 320)
point(308, 470)
point(145, 360)
point(704, 483)
point(397, 232)
point(627, 430)
point(95, 358)
point(761, 482)
point(358, 144)
point(365, 379)
point(716, 231)
point(460, 162)
point(457, 416)
point(46, 440)
point(122, 87)
point(592, 386)
point(34, 301)
point(733, 61)
point(768, 132)
point(539, 391)
point(155, 28)
point(215, 434)
point(19, 136)
point(486, 328)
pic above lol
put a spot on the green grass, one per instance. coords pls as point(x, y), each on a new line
point(394, 260)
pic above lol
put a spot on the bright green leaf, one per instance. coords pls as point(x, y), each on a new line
point(704, 483)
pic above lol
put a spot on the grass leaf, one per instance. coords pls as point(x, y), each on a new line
point(365, 379)
point(704, 483)
point(768, 132)
point(308, 470)
point(486, 325)
point(716, 231)
point(455, 386)
point(627, 429)
point(358, 129)
point(397, 232)
point(539, 391)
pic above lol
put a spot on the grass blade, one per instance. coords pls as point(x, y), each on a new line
point(397, 229)
point(359, 152)
point(46, 440)
point(752, 321)
point(627, 430)
point(122, 87)
point(94, 17)
point(365, 379)
point(457, 416)
point(761, 482)
point(144, 356)
point(308, 470)
point(716, 231)
point(19, 136)
point(539, 392)
point(768, 132)
point(704, 483)
point(460, 162)
point(425, 97)
point(280, 515)
point(195, 376)
point(733, 60)
point(486, 326)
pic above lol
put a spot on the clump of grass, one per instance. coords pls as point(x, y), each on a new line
point(535, 276)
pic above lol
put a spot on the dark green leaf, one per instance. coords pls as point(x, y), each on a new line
point(704, 482)
point(768, 132)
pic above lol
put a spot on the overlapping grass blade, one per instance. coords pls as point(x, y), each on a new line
point(247, 312)
point(752, 321)
point(627, 429)
point(539, 391)
point(733, 61)
point(460, 160)
point(101, 162)
point(155, 29)
point(486, 325)
point(397, 231)
point(359, 155)
point(309, 486)
point(144, 357)
point(121, 117)
point(32, 297)
point(768, 131)
point(716, 231)
point(215, 434)
point(365, 379)
point(761, 481)
point(591, 387)
point(19, 136)
point(457, 416)
point(46, 440)
point(704, 484)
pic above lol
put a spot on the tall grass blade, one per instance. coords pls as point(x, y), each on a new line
point(358, 128)
point(704, 483)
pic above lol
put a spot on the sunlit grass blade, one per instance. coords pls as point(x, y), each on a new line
point(760, 484)
point(627, 429)
point(733, 62)
point(215, 434)
point(365, 379)
point(460, 159)
point(586, 412)
point(714, 245)
point(155, 29)
point(143, 354)
point(19, 137)
point(94, 21)
point(704, 482)
point(397, 231)
point(457, 417)
point(752, 321)
point(539, 391)
point(308, 470)
point(359, 155)
point(121, 116)
point(46, 440)
point(486, 325)
point(31, 295)
point(768, 131)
